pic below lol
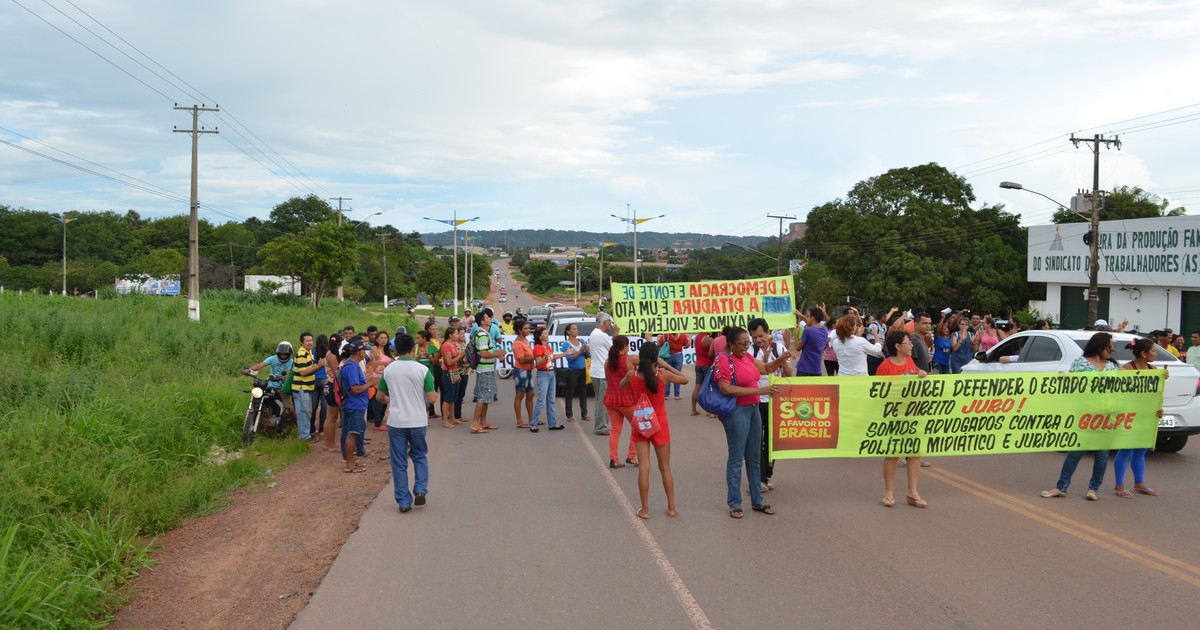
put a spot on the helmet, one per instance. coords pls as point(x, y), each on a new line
point(283, 348)
point(508, 313)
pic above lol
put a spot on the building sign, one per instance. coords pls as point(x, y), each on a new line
point(1163, 251)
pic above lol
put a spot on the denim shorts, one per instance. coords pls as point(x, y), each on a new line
point(524, 379)
point(449, 388)
point(355, 420)
point(485, 387)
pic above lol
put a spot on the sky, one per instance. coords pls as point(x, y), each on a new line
point(559, 114)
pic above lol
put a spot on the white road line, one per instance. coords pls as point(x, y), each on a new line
point(689, 603)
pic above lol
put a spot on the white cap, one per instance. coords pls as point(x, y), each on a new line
point(1100, 323)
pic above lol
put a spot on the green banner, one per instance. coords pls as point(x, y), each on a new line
point(708, 306)
point(907, 416)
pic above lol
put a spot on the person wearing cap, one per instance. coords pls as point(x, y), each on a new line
point(1101, 325)
point(355, 383)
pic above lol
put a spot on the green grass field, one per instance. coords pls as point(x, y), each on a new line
point(109, 412)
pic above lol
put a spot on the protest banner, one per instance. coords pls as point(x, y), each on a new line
point(708, 306)
point(907, 416)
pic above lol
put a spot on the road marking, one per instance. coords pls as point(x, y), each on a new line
point(690, 605)
point(1145, 556)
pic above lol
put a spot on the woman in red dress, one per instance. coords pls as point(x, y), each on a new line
point(650, 380)
point(899, 363)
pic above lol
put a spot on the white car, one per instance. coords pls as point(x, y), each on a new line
point(1054, 350)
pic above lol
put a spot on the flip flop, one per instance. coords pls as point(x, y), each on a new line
point(764, 508)
point(1053, 494)
point(1148, 492)
point(490, 427)
point(735, 513)
point(356, 470)
point(1124, 494)
point(478, 431)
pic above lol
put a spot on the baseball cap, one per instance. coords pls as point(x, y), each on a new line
point(357, 346)
point(1101, 324)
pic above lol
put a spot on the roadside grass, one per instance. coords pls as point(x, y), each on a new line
point(119, 420)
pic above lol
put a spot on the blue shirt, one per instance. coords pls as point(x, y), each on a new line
point(278, 368)
point(352, 374)
point(942, 347)
point(815, 338)
point(579, 362)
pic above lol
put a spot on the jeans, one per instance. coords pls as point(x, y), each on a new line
point(743, 432)
point(320, 409)
point(675, 361)
point(601, 386)
point(1126, 457)
point(405, 444)
point(302, 399)
point(1072, 460)
point(545, 398)
point(354, 421)
point(576, 384)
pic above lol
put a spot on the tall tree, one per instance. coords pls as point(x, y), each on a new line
point(1125, 202)
point(299, 213)
point(319, 255)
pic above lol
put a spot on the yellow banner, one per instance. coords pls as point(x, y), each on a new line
point(691, 307)
point(907, 416)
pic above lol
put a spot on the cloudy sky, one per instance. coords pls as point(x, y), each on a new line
point(558, 114)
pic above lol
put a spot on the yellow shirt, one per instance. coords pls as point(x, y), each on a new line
point(507, 328)
point(1170, 348)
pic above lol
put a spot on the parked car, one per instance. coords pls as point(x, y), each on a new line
point(559, 312)
point(537, 315)
point(553, 304)
point(1054, 350)
point(447, 303)
point(398, 302)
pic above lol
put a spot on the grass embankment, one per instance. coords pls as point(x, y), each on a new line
point(110, 411)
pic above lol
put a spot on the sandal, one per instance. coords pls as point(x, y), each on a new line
point(917, 502)
point(612, 463)
point(764, 508)
point(478, 430)
point(490, 427)
point(735, 513)
point(1092, 496)
point(1146, 491)
point(889, 502)
point(1123, 493)
point(631, 461)
point(357, 469)
point(1053, 494)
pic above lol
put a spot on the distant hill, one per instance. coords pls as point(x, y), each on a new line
point(576, 238)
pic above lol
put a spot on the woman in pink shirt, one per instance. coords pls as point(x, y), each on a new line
point(737, 373)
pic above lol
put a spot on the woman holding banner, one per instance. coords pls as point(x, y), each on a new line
point(743, 427)
point(1143, 355)
point(900, 363)
point(1097, 357)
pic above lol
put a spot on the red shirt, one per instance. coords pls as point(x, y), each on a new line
point(702, 358)
point(615, 395)
point(888, 368)
point(542, 350)
point(658, 401)
point(675, 343)
point(744, 370)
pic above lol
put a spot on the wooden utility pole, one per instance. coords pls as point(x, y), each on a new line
point(1094, 235)
point(341, 285)
point(194, 223)
point(779, 260)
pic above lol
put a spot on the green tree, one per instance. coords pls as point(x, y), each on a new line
point(1125, 202)
point(299, 213)
point(320, 256)
point(910, 237)
point(436, 279)
point(158, 263)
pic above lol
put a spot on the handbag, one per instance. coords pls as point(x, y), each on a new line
point(664, 348)
point(644, 417)
point(711, 399)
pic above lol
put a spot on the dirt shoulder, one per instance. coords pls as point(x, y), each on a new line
point(256, 563)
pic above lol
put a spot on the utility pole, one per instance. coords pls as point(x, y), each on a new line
point(341, 293)
point(1094, 268)
point(63, 217)
point(383, 246)
point(232, 269)
point(194, 223)
point(779, 260)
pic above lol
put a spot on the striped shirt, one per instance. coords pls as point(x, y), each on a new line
point(304, 361)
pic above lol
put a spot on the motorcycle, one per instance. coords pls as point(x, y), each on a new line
point(266, 409)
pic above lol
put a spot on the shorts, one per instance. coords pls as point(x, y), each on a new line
point(485, 387)
point(449, 388)
point(524, 379)
point(355, 420)
point(330, 397)
point(660, 437)
point(701, 372)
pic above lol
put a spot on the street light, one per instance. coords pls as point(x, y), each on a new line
point(636, 222)
point(63, 217)
point(1093, 249)
point(455, 222)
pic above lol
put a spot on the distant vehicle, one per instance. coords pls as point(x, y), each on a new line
point(447, 303)
point(477, 304)
point(398, 302)
point(1054, 350)
point(422, 310)
point(503, 298)
point(538, 315)
point(553, 304)
point(560, 312)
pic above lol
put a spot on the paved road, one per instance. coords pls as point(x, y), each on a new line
point(533, 531)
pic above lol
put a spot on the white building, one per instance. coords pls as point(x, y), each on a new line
point(1149, 272)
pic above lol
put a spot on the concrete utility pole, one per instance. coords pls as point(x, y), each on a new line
point(1094, 252)
point(383, 246)
point(341, 295)
point(194, 223)
point(63, 217)
point(779, 260)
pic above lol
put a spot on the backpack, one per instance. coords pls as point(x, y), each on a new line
point(473, 350)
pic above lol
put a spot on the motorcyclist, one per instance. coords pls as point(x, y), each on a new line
point(280, 364)
point(506, 326)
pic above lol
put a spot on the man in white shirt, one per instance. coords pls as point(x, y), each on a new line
point(599, 343)
point(406, 387)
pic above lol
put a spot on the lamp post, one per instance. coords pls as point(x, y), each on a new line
point(1093, 248)
point(636, 222)
point(454, 223)
point(63, 217)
